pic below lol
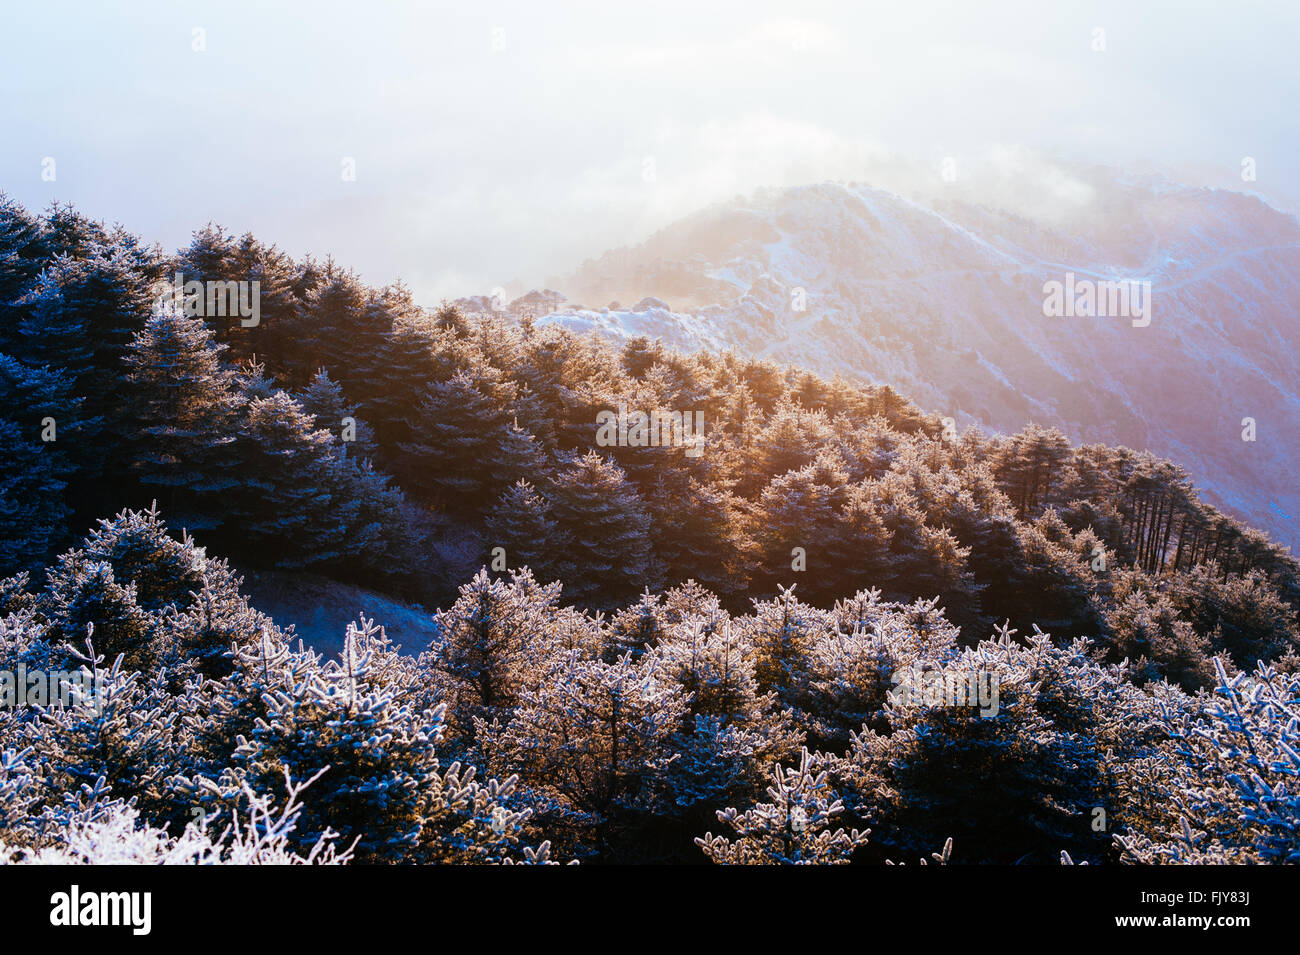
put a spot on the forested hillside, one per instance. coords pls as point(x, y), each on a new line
point(943, 299)
point(679, 652)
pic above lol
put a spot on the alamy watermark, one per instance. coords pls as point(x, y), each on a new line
point(918, 686)
point(23, 687)
point(212, 299)
point(1090, 298)
point(76, 908)
point(637, 429)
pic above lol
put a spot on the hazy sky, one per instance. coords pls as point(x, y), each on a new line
point(496, 140)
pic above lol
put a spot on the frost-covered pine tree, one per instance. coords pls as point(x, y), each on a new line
point(853, 665)
point(1012, 777)
point(56, 329)
point(216, 255)
point(164, 570)
point(595, 737)
point(158, 600)
point(22, 255)
point(462, 428)
point(794, 828)
point(1147, 628)
point(84, 594)
point(181, 421)
point(373, 512)
point(18, 794)
point(117, 834)
point(1233, 786)
point(636, 628)
point(799, 509)
point(782, 632)
point(36, 403)
point(699, 532)
point(286, 510)
point(337, 326)
point(378, 780)
point(82, 313)
point(219, 712)
point(521, 523)
point(605, 559)
point(324, 400)
point(115, 736)
point(733, 732)
point(202, 633)
point(498, 639)
point(402, 367)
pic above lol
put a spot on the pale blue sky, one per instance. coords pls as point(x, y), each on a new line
point(476, 165)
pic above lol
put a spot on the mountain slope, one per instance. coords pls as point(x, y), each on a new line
point(945, 300)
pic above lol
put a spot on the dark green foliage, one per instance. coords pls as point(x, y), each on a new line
point(603, 553)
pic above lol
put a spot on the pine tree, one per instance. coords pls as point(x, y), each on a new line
point(22, 256)
point(699, 533)
point(464, 447)
point(215, 255)
point(286, 511)
point(635, 629)
point(799, 509)
point(324, 400)
point(497, 640)
point(378, 780)
point(605, 528)
point(183, 415)
point(403, 367)
point(998, 746)
point(83, 599)
point(792, 829)
point(164, 571)
point(195, 603)
point(521, 523)
point(1233, 788)
point(279, 294)
point(1032, 464)
point(924, 561)
point(115, 833)
point(339, 326)
point(787, 441)
point(733, 732)
point(596, 736)
point(34, 505)
point(68, 232)
point(1148, 629)
point(858, 548)
point(783, 632)
point(82, 314)
point(1244, 614)
point(115, 736)
point(375, 519)
point(55, 328)
point(853, 664)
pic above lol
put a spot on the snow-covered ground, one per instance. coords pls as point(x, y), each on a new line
point(320, 611)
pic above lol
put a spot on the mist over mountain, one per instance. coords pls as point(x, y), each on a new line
point(942, 296)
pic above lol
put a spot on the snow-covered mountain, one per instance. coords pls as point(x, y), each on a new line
point(944, 299)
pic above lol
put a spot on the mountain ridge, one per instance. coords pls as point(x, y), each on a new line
point(943, 299)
